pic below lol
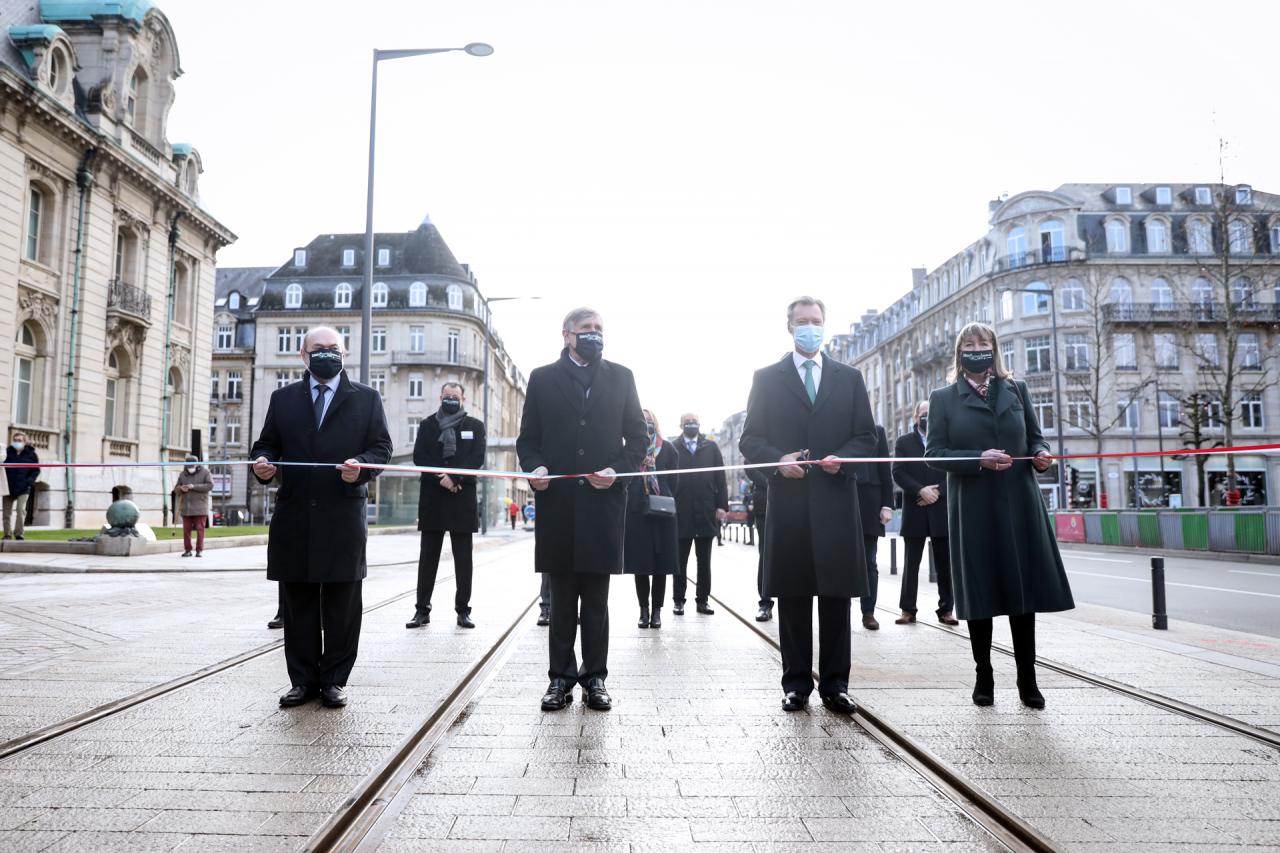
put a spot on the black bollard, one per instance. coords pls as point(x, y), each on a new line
point(893, 555)
point(1159, 618)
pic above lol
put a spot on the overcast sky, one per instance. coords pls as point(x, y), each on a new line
point(689, 166)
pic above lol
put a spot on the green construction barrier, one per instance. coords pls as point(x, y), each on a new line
point(1195, 531)
point(1251, 532)
point(1110, 528)
point(1149, 530)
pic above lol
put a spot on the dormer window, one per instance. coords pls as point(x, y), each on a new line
point(348, 257)
point(233, 301)
point(1164, 195)
point(299, 258)
point(135, 102)
point(1203, 196)
point(1244, 194)
point(293, 296)
point(380, 293)
point(1124, 195)
point(384, 257)
point(59, 72)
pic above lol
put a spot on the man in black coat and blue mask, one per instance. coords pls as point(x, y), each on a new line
point(582, 422)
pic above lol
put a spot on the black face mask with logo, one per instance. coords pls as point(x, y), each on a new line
point(450, 405)
point(324, 364)
point(589, 346)
point(978, 361)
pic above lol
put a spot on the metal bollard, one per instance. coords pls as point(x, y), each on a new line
point(1159, 618)
point(893, 555)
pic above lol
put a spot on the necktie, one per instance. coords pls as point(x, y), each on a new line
point(808, 380)
point(319, 403)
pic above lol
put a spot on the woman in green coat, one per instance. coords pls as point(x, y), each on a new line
point(1004, 557)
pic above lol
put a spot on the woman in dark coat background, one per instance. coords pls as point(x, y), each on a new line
point(651, 551)
point(1004, 556)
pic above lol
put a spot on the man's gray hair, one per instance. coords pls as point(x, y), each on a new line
point(306, 340)
point(577, 315)
point(451, 384)
point(806, 300)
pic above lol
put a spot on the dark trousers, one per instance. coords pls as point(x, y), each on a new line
point(911, 573)
point(321, 631)
point(659, 590)
point(567, 589)
point(429, 561)
point(795, 632)
point(513, 522)
point(868, 601)
point(701, 546)
point(764, 602)
point(544, 591)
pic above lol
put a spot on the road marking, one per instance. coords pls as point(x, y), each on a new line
point(1174, 583)
point(1072, 555)
point(1259, 574)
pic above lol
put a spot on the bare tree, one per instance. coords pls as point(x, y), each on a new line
point(1199, 427)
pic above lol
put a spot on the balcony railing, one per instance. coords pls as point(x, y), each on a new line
point(436, 358)
point(1040, 257)
point(124, 297)
point(931, 355)
point(1190, 312)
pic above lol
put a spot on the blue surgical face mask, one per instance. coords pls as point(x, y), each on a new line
point(18, 445)
point(808, 338)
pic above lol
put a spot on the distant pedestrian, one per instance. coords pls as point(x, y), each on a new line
point(651, 548)
point(924, 516)
point(760, 508)
point(449, 438)
point(513, 512)
point(875, 502)
point(21, 483)
point(193, 488)
point(530, 512)
point(1004, 556)
point(701, 506)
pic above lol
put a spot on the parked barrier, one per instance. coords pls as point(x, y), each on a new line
point(1248, 530)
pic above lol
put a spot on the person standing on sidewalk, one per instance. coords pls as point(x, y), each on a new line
point(316, 546)
point(701, 506)
point(450, 438)
point(651, 551)
point(581, 414)
point(924, 516)
point(21, 483)
point(808, 407)
point(760, 508)
point(1004, 555)
point(875, 502)
point(193, 488)
point(513, 512)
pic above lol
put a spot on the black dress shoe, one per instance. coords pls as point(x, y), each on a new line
point(422, 617)
point(764, 614)
point(705, 610)
point(297, 696)
point(794, 702)
point(333, 696)
point(276, 623)
point(544, 617)
point(558, 695)
point(840, 703)
point(907, 618)
point(655, 618)
point(597, 698)
point(464, 621)
point(984, 689)
point(644, 618)
point(677, 607)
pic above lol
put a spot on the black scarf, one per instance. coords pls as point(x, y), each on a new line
point(584, 376)
point(449, 435)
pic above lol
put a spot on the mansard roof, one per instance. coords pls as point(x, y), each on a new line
point(421, 252)
point(85, 11)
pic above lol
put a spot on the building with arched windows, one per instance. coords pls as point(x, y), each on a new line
point(1166, 302)
point(108, 259)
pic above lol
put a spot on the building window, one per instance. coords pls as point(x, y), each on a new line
point(214, 384)
point(28, 375)
point(226, 336)
point(1275, 239)
point(1005, 306)
point(380, 295)
point(213, 431)
point(1251, 410)
point(1053, 241)
point(1038, 352)
point(1124, 195)
point(384, 257)
point(415, 386)
point(1072, 296)
point(293, 296)
point(1212, 412)
point(1244, 195)
point(1117, 236)
point(1036, 303)
point(1199, 237)
point(1164, 195)
point(233, 429)
point(1170, 410)
point(283, 378)
point(1240, 237)
point(284, 337)
point(1157, 237)
point(115, 411)
point(452, 353)
point(299, 335)
point(1077, 352)
point(345, 331)
point(1121, 292)
point(1203, 196)
point(1202, 292)
point(35, 208)
point(1008, 352)
point(342, 295)
point(1242, 292)
point(1129, 411)
point(1016, 247)
point(1079, 411)
point(454, 295)
point(299, 258)
point(233, 301)
point(378, 339)
point(1042, 405)
point(348, 257)
point(1166, 347)
point(378, 381)
point(175, 409)
point(1125, 347)
point(414, 423)
point(233, 385)
point(418, 295)
point(1206, 349)
point(135, 95)
point(1161, 295)
point(417, 339)
point(1249, 352)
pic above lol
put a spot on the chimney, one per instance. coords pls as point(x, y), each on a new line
point(918, 277)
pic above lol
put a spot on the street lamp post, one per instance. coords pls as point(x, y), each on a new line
point(366, 302)
point(488, 335)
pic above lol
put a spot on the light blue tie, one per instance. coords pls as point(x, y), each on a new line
point(808, 380)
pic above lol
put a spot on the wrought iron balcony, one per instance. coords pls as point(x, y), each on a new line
point(1040, 257)
point(932, 355)
point(128, 299)
point(1144, 313)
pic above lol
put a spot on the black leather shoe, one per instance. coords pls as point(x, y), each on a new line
point(464, 621)
point(558, 695)
point(597, 698)
point(705, 610)
point(276, 623)
point(794, 702)
point(655, 618)
point(1030, 695)
point(644, 618)
point(907, 618)
point(419, 619)
point(333, 696)
point(677, 607)
point(297, 696)
point(984, 689)
point(764, 614)
point(840, 703)
point(199, 553)
point(544, 617)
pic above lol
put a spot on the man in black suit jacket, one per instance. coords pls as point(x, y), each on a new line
point(581, 417)
point(807, 407)
point(316, 548)
point(449, 438)
point(875, 500)
point(701, 504)
point(924, 515)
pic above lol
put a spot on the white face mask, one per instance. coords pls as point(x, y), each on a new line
point(191, 469)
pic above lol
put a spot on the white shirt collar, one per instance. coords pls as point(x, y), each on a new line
point(800, 360)
point(332, 384)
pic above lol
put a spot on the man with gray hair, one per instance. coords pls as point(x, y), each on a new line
point(582, 421)
point(316, 548)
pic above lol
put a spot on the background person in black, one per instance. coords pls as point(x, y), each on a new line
point(875, 502)
point(450, 438)
point(701, 505)
point(650, 552)
point(316, 547)
point(760, 506)
point(924, 516)
point(581, 414)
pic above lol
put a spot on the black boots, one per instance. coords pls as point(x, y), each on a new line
point(644, 617)
point(984, 688)
point(1024, 652)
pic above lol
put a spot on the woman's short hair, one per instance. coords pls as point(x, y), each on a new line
point(986, 334)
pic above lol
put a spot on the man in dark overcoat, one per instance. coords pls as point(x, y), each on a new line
point(807, 407)
point(448, 438)
point(582, 417)
point(875, 502)
point(924, 516)
point(701, 504)
point(316, 548)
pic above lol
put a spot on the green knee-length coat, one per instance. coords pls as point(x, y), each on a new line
point(1004, 555)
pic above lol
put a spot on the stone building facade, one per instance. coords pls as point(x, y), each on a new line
point(1166, 299)
point(108, 266)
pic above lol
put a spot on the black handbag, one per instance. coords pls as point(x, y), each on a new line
point(662, 506)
